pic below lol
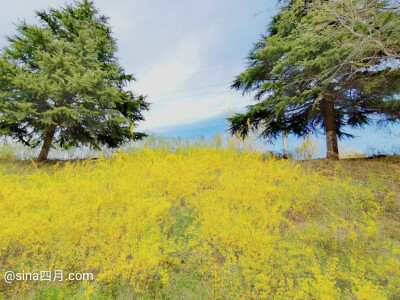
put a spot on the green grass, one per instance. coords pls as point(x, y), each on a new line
point(381, 176)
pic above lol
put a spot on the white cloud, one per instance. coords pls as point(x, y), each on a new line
point(194, 109)
point(170, 71)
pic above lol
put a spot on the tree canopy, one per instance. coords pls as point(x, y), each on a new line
point(60, 82)
point(323, 65)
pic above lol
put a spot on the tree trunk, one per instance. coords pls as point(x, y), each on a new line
point(285, 144)
point(48, 138)
point(328, 111)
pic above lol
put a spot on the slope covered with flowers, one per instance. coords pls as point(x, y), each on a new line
point(196, 223)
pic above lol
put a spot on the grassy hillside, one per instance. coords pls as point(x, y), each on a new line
point(201, 223)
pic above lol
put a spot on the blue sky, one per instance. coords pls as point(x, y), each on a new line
point(184, 55)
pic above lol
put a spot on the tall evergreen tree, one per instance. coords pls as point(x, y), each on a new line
point(305, 81)
point(60, 82)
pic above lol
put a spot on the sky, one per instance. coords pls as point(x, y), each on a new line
point(184, 55)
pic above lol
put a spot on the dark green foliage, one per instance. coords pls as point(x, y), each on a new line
point(318, 70)
point(62, 77)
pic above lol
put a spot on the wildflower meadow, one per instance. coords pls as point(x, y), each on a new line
point(194, 223)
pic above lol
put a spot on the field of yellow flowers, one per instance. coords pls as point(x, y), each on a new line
point(195, 223)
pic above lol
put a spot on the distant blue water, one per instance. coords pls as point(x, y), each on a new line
point(369, 140)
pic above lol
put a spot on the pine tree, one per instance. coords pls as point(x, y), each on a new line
point(60, 82)
point(306, 79)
